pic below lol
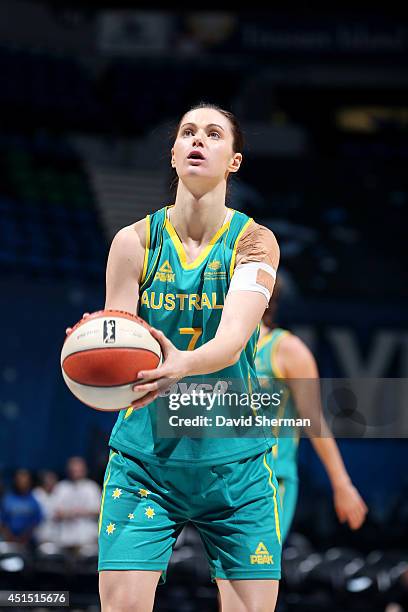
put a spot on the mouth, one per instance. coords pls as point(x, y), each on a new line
point(195, 156)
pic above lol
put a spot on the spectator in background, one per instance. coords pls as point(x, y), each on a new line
point(45, 495)
point(77, 501)
point(20, 512)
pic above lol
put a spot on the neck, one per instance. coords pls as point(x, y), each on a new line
point(198, 216)
point(263, 330)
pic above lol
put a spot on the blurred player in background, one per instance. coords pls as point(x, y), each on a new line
point(282, 355)
point(174, 268)
point(76, 507)
point(20, 512)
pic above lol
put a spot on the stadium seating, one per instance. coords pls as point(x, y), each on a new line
point(50, 225)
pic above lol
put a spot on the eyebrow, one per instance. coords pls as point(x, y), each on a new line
point(209, 125)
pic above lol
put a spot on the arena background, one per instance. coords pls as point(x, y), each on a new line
point(88, 100)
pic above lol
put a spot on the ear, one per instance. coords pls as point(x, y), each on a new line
point(235, 163)
point(173, 161)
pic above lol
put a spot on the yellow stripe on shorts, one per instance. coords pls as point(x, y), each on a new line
point(103, 492)
point(275, 503)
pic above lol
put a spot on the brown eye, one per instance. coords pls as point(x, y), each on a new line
point(216, 134)
point(187, 132)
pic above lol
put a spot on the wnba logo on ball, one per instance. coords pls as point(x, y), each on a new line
point(109, 335)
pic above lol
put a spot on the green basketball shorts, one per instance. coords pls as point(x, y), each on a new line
point(234, 506)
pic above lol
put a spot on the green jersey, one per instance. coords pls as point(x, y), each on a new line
point(185, 301)
point(285, 452)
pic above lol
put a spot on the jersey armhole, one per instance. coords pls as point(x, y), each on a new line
point(147, 250)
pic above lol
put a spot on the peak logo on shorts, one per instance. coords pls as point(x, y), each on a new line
point(165, 273)
point(109, 331)
point(261, 555)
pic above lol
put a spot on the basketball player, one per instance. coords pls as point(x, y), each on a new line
point(282, 355)
point(202, 274)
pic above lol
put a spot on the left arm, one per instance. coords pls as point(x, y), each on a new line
point(242, 311)
point(298, 364)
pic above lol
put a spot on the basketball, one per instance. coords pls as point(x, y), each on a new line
point(102, 356)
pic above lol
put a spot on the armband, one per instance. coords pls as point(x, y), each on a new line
point(254, 276)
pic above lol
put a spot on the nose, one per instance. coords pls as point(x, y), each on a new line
point(197, 141)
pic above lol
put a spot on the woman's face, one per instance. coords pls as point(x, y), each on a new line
point(204, 147)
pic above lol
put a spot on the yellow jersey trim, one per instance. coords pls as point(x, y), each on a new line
point(178, 245)
point(147, 248)
point(258, 327)
point(234, 251)
point(104, 491)
point(264, 340)
point(275, 503)
point(274, 363)
point(128, 412)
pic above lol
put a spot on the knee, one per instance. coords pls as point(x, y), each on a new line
point(260, 607)
point(267, 604)
point(121, 602)
point(127, 591)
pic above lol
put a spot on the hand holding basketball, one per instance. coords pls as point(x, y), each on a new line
point(102, 356)
point(69, 329)
point(157, 381)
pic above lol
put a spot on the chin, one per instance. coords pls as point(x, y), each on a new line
point(200, 172)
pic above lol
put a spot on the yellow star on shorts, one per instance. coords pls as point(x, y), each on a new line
point(131, 516)
point(149, 512)
point(144, 492)
point(117, 493)
point(110, 528)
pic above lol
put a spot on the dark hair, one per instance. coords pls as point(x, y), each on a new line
point(237, 134)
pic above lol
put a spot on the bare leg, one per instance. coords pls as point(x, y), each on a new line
point(128, 590)
point(248, 595)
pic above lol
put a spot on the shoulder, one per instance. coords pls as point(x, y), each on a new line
point(258, 232)
point(131, 236)
point(258, 243)
point(293, 347)
point(295, 357)
point(128, 248)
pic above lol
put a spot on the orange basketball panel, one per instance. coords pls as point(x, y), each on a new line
point(109, 367)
